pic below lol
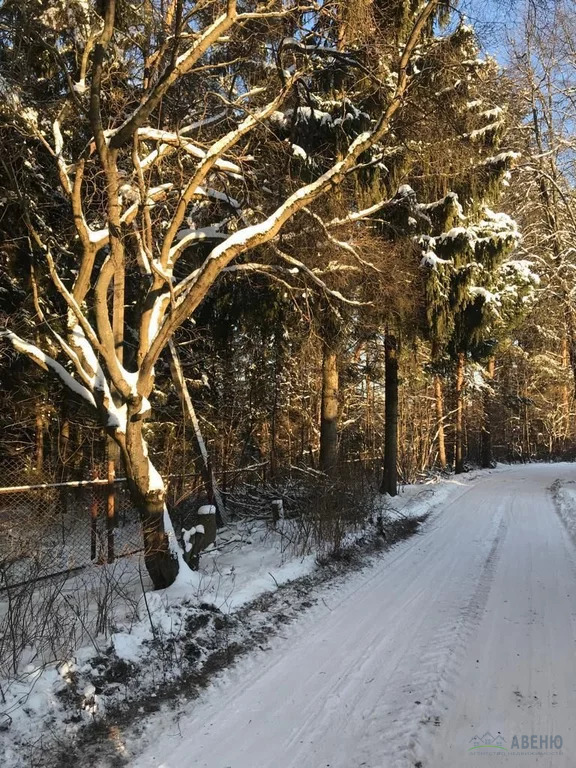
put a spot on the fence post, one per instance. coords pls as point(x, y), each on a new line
point(94, 518)
point(110, 510)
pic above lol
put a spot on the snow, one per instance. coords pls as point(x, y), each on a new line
point(490, 114)
point(36, 354)
point(117, 416)
point(197, 235)
point(97, 236)
point(481, 132)
point(155, 482)
point(194, 126)
point(465, 629)
point(430, 259)
point(156, 316)
point(154, 134)
point(80, 87)
point(299, 152)
point(485, 294)
point(215, 194)
point(523, 268)
point(405, 190)
point(455, 233)
point(249, 559)
point(128, 646)
point(79, 339)
point(502, 157)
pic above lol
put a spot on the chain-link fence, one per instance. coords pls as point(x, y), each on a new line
point(48, 528)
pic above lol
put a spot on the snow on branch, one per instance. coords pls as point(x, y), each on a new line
point(181, 66)
point(215, 153)
point(48, 363)
point(192, 289)
point(354, 216)
point(177, 140)
point(188, 237)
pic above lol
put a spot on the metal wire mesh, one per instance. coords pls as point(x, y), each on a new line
point(48, 528)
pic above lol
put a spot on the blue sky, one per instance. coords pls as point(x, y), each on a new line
point(494, 21)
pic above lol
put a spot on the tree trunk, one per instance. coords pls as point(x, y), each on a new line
point(160, 562)
point(459, 441)
point(149, 496)
point(329, 412)
point(439, 403)
point(390, 474)
point(39, 438)
point(212, 490)
point(566, 363)
point(487, 457)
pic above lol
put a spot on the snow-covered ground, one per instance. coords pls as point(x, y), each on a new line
point(464, 631)
point(101, 629)
point(101, 611)
point(458, 645)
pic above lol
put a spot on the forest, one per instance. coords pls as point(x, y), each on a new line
point(273, 261)
point(348, 227)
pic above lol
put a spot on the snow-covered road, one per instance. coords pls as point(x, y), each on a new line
point(462, 637)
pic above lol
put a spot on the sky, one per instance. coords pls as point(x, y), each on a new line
point(494, 22)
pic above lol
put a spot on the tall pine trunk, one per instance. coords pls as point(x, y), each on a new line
point(459, 438)
point(390, 474)
point(565, 394)
point(487, 455)
point(439, 404)
point(329, 412)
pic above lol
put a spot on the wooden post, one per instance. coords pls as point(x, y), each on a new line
point(110, 510)
point(94, 518)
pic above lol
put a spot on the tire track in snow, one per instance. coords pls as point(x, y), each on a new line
point(437, 674)
point(518, 673)
point(342, 689)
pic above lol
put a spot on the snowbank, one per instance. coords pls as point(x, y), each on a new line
point(564, 495)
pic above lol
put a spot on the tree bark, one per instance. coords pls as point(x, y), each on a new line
point(329, 412)
point(390, 474)
point(149, 496)
point(459, 438)
point(487, 456)
point(39, 438)
point(565, 393)
point(160, 562)
point(439, 403)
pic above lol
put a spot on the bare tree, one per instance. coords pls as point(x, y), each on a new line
point(131, 187)
point(542, 56)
